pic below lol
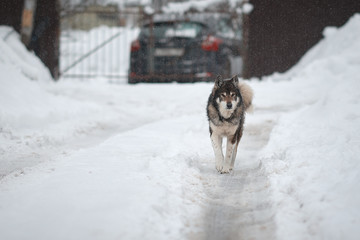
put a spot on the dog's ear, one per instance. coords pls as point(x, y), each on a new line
point(235, 80)
point(219, 81)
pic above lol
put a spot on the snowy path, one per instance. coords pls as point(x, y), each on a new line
point(157, 171)
point(145, 160)
point(239, 207)
point(238, 204)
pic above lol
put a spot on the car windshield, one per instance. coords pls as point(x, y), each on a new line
point(174, 29)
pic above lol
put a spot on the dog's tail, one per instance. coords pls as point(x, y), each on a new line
point(247, 96)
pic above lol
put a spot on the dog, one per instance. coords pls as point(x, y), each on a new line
point(227, 104)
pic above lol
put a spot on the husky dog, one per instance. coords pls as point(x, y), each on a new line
point(226, 108)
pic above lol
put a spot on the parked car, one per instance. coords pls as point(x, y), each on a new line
point(185, 49)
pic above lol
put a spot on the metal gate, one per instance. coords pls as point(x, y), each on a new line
point(95, 42)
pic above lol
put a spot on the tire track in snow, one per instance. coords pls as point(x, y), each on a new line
point(238, 205)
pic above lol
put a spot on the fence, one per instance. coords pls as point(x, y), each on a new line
point(96, 42)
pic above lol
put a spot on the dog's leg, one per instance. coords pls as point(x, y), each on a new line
point(216, 141)
point(236, 139)
point(229, 154)
point(233, 157)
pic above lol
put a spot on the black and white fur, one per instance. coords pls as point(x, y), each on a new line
point(226, 108)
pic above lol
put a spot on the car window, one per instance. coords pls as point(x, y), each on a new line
point(175, 29)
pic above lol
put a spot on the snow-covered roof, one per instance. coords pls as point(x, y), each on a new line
point(200, 5)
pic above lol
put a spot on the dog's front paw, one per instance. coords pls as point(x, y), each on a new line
point(219, 166)
point(225, 169)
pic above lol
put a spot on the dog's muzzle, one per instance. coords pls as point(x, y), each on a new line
point(229, 105)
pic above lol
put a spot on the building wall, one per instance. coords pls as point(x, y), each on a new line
point(280, 32)
point(11, 12)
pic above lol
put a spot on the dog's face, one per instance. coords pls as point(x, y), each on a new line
point(227, 100)
point(227, 95)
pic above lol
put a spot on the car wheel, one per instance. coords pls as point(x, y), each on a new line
point(132, 81)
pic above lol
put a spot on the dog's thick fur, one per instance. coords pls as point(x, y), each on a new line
point(227, 104)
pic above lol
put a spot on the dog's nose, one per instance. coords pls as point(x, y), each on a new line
point(229, 105)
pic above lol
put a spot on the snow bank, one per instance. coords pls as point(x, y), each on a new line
point(14, 53)
point(199, 5)
point(313, 154)
point(31, 116)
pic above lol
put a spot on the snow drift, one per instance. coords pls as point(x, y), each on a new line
point(31, 115)
point(313, 154)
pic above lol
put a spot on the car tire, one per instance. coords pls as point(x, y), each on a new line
point(131, 81)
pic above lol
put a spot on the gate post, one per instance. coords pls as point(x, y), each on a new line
point(27, 21)
point(45, 37)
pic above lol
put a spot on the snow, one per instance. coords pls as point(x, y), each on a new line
point(121, 3)
point(14, 53)
point(183, 7)
point(97, 160)
point(313, 154)
point(199, 5)
point(247, 8)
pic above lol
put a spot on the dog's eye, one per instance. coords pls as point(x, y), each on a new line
point(223, 95)
point(232, 94)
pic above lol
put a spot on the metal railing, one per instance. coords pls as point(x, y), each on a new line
point(96, 42)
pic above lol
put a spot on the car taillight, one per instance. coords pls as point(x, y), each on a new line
point(135, 46)
point(211, 43)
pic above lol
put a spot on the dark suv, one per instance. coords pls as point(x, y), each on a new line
point(185, 48)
